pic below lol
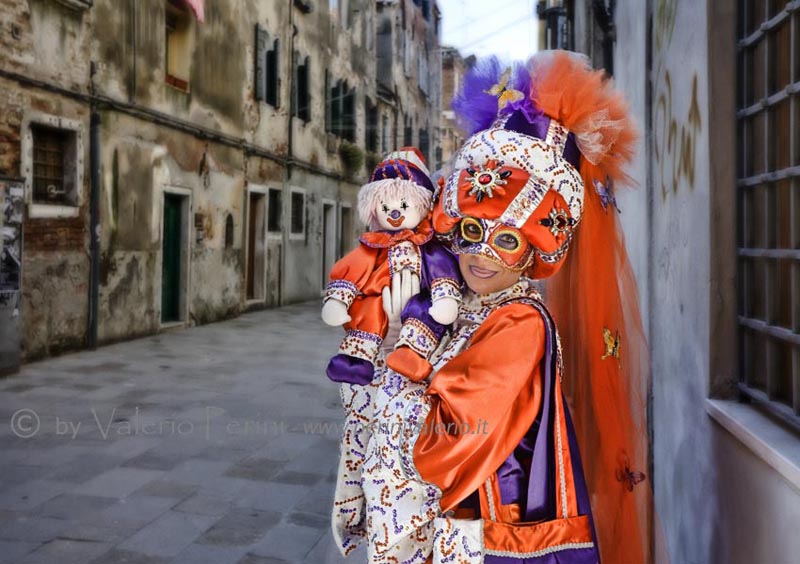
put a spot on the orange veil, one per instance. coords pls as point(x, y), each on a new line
point(594, 301)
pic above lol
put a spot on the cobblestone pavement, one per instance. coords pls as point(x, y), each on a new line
point(216, 444)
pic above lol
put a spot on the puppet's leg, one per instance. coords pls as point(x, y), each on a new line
point(355, 363)
point(348, 517)
point(419, 337)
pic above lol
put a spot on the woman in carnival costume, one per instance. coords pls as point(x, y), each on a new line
point(481, 462)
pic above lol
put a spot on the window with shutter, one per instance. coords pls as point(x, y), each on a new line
point(349, 115)
point(229, 232)
point(298, 213)
point(371, 126)
point(272, 87)
point(261, 40)
point(274, 211)
point(178, 26)
point(424, 143)
point(302, 97)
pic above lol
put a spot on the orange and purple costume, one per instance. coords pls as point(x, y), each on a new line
point(482, 463)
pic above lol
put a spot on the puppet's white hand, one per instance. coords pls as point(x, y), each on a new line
point(334, 313)
point(444, 310)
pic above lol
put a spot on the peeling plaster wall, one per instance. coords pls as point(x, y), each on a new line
point(47, 42)
point(142, 166)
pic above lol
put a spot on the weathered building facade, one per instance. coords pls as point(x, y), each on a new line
point(451, 136)
point(713, 232)
point(215, 153)
point(408, 77)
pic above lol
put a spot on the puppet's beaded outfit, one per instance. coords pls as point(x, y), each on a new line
point(449, 467)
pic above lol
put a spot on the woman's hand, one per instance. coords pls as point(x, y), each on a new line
point(405, 284)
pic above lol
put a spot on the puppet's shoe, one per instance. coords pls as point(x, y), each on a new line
point(350, 369)
point(405, 361)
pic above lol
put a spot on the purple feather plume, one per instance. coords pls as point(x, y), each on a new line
point(476, 109)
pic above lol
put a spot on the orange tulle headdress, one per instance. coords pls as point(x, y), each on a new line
point(560, 195)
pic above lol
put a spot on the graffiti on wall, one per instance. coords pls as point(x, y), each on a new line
point(675, 136)
point(666, 10)
point(675, 139)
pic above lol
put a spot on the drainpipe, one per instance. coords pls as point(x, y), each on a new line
point(287, 177)
point(94, 213)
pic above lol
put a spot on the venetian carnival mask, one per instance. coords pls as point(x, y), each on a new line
point(495, 241)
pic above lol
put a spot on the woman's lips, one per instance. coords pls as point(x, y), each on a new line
point(482, 272)
point(396, 222)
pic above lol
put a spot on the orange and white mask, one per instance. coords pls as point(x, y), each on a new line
point(504, 245)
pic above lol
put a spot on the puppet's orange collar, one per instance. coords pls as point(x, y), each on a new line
point(420, 235)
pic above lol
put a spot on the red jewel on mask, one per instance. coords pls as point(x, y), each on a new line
point(487, 179)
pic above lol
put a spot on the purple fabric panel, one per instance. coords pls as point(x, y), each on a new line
point(417, 308)
point(571, 152)
point(344, 368)
point(437, 262)
point(541, 499)
point(537, 128)
point(572, 556)
point(582, 492)
point(511, 478)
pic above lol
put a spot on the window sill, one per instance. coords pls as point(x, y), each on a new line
point(50, 211)
point(768, 440)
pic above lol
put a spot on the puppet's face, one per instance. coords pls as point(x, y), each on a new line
point(397, 213)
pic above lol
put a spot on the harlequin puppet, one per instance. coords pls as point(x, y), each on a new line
point(396, 205)
point(482, 464)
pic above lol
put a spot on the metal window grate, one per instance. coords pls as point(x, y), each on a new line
point(768, 192)
point(50, 148)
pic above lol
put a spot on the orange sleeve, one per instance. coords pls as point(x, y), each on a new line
point(491, 393)
point(351, 273)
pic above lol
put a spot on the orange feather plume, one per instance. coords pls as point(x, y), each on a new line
point(584, 101)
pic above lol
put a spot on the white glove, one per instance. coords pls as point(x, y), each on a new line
point(444, 310)
point(405, 284)
point(334, 313)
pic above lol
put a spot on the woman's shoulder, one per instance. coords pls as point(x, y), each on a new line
point(523, 315)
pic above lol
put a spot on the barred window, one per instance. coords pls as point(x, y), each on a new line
point(768, 188)
point(54, 156)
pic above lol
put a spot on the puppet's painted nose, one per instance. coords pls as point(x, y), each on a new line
point(395, 214)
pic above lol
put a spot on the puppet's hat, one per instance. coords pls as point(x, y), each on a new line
point(406, 163)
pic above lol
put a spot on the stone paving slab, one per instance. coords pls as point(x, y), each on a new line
point(207, 445)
